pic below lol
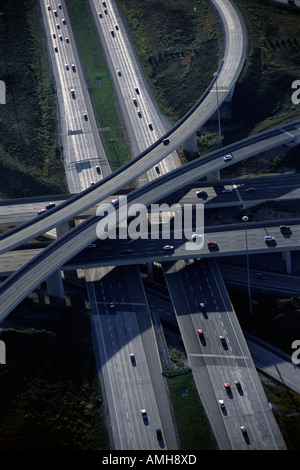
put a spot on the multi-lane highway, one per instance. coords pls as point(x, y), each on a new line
point(219, 357)
point(123, 324)
point(82, 148)
point(23, 282)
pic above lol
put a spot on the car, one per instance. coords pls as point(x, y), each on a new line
point(111, 305)
point(103, 3)
point(157, 169)
point(201, 192)
point(285, 228)
point(212, 244)
point(92, 183)
point(67, 40)
point(54, 35)
point(105, 11)
point(55, 49)
point(50, 205)
point(144, 414)
point(166, 141)
point(137, 90)
point(139, 114)
point(227, 190)
point(135, 101)
point(85, 116)
point(49, 7)
point(221, 403)
point(73, 68)
point(238, 384)
point(112, 32)
point(60, 37)
point(41, 211)
point(227, 158)
point(222, 339)
point(269, 238)
point(119, 73)
point(100, 15)
point(67, 66)
point(63, 21)
point(158, 434)
point(150, 126)
point(200, 332)
point(73, 93)
point(202, 306)
point(58, 26)
point(227, 387)
point(113, 201)
point(59, 6)
point(117, 27)
point(98, 169)
point(132, 358)
point(250, 190)
point(243, 429)
point(168, 247)
point(55, 12)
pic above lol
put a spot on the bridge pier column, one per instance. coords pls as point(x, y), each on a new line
point(190, 145)
point(286, 256)
point(55, 286)
point(150, 271)
point(215, 176)
point(54, 282)
point(62, 229)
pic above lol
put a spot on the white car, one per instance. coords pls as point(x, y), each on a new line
point(227, 158)
point(168, 247)
point(269, 238)
point(221, 403)
point(227, 190)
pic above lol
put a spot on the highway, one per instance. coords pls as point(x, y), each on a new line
point(82, 146)
point(230, 239)
point(130, 386)
point(216, 362)
point(269, 188)
point(68, 245)
point(47, 262)
point(234, 56)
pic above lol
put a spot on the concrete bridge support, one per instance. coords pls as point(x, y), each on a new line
point(54, 283)
point(286, 256)
point(150, 271)
point(55, 286)
point(215, 176)
point(190, 145)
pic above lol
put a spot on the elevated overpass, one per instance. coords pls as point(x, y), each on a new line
point(14, 290)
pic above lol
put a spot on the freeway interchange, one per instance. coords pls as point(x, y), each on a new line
point(59, 253)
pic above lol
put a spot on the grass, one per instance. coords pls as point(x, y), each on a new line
point(99, 82)
point(192, 423)
point(178, 43)
point(29, 152)
point(50, 396)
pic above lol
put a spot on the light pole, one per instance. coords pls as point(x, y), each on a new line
point(219, 120)
point(245, 219)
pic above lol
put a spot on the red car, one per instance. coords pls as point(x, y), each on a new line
point(200, 332)
point(212, 244)
point(227, 387)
